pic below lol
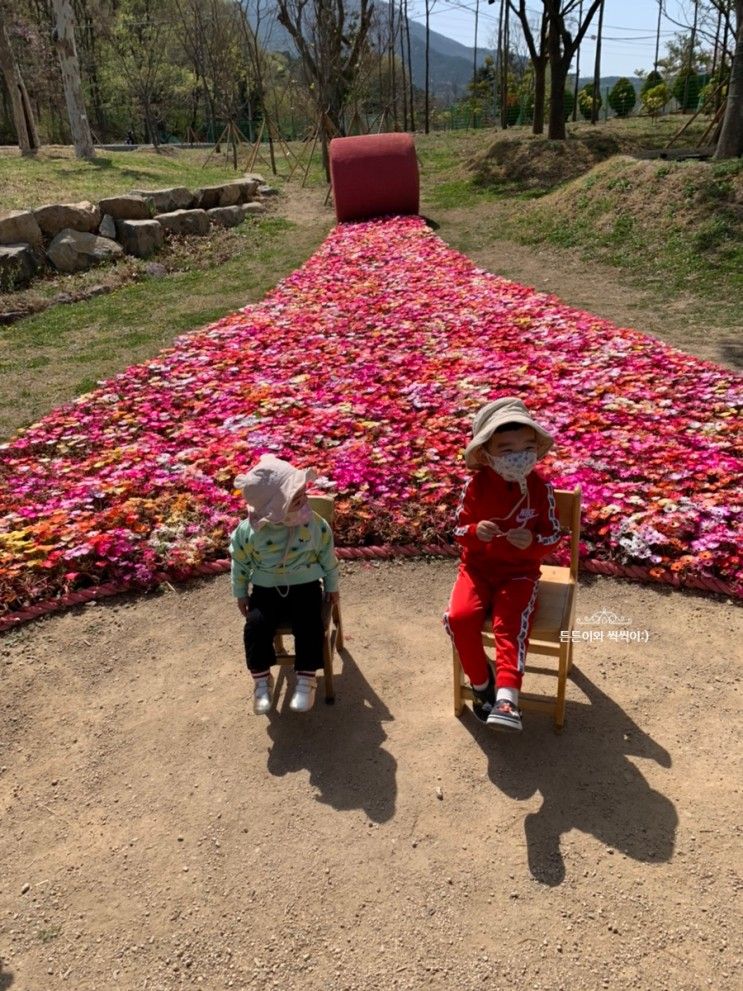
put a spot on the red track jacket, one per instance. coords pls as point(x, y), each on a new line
point(488, 496)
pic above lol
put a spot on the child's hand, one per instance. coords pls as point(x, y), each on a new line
point(242, 605)
point(520, 537)
point(333, 597)
point(486, 530)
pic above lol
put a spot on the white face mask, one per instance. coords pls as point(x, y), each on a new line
point(514, 466)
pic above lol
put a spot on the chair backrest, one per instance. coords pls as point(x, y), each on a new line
point(324, 506)
point(568, 513)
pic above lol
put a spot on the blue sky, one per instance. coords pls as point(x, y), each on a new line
point(629, 29)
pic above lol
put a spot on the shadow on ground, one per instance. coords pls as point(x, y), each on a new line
point(585, 780)
point(340, 746)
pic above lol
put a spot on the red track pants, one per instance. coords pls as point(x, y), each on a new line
point(511, 602)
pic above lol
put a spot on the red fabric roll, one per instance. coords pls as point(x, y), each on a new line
point(374, 174)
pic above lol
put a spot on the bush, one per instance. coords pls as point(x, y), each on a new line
point(715, 92)
point(655, 98)
point(652, 80)
point(687, 88)
point(585, 101)
point(622, 97)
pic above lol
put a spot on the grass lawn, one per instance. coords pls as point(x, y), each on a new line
point(55, 175)
point(53, 356)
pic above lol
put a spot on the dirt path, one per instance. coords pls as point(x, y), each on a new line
point(156, 835)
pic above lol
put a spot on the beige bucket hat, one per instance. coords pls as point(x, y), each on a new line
point(270, 486)
point(508, 409)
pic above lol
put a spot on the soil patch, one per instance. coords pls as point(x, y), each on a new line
point(538, 164)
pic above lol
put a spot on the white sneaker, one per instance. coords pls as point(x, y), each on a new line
point(263, 695)
point(304, 694)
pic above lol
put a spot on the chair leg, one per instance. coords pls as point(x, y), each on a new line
point(570, 657)
point(562, 675)
point(338, 627)
point(327, 662)
point(457, 682)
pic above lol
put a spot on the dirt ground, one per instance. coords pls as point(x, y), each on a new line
point(157, 836)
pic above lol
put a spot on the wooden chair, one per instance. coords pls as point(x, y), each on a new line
point(554, 614)
point(332, 624)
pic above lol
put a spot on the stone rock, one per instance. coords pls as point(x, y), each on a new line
point(108, 227)
point(139, 237)
point(248, 189)
point(55, 217)
point(267, 191)
point(227, 216)
point(76, 251)
point(256, 208)
point(155, 270)
point(167, 200)
point(20, 227)
point(228, 194)
point(128, 207)
point(255, 177)
point(18, 266)
point(185, 222)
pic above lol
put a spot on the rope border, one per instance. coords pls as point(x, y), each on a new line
point(383, 552)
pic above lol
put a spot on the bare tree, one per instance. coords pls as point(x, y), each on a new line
point(561, 47)
point(429, 4)
point(538, 54)
point(141, 41)
point(330, 41)
point(23, 117)
point(256, 54)
point(577, 69)
point(403, 70)
point(64, 39)
point(730, 142)
point(597, 68)
point(411, 88)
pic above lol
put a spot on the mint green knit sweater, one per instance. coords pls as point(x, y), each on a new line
point(277, 555)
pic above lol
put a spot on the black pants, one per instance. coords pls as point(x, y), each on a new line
point(301, 610)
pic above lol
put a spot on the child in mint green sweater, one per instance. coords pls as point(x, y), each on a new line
point(285, 552)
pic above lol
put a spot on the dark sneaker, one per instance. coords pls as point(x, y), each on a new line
point(505, 716)
point(483, 701)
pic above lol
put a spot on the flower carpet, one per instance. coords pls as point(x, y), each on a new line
point(368, 364)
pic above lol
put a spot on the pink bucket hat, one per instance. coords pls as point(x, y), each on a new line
point(508, 409)
point(270, 486)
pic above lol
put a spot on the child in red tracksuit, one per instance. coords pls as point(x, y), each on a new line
point(506, 524)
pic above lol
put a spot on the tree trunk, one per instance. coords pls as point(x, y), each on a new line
point(577, 68)
point(404, 84)
point(730, 142)
point(558, 78)
point(505, 58)
point(411, 88)
point(64, 39)
point(597, 69)
point(540, 89)
point(23, 119)
point(428, 46)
